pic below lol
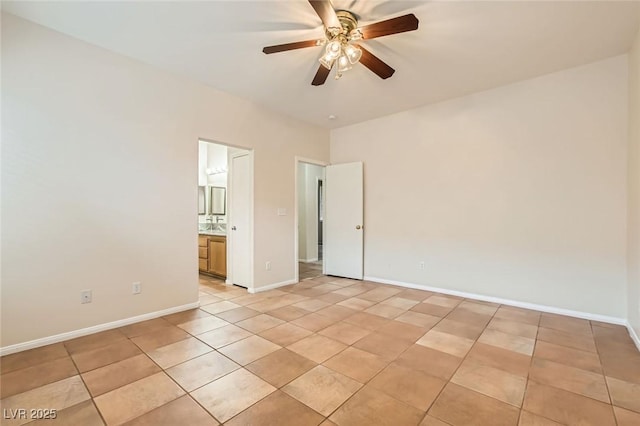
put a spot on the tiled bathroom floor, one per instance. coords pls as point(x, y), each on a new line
point(334, 351)
point(309, 270)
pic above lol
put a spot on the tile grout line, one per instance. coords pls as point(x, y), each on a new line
point(224, 375)
point(322, 364)
point(570, 391)
point(373, 377)
point(387, 365)
point(241, 367)
point(459, 365)
point(178, 384)
point(145, 353)
point(606, 383)
point(161, 370)
point(526, 386)
point(93, 402)
point(244, 366)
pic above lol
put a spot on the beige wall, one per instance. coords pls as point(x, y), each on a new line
point(99, 182)
point(633, 256)
point(517, 192)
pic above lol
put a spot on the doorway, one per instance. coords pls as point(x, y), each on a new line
point(310, 219)
point(329, 228)
point(225, 214)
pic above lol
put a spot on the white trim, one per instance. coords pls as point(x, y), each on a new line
point(271, 286)
point(525, 305)
point(297, 160)
point(56, 338)
point(634, 336)
point(252, 220)
point(315, 259)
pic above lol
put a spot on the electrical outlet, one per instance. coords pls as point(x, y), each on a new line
point(85, 296)
point(267, 265)
point(422, 265)
point(136, 287)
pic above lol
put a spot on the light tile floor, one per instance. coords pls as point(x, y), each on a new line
point(334, 351)
point(309, 270)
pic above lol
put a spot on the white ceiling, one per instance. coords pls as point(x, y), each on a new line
point(460, 47)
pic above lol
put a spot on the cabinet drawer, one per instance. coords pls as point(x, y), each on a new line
point(203, 253)
point(202, 264)
point(202, 241)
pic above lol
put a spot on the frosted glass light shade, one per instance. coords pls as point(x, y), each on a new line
point(353, 53)
point(343, 64)
point(333, 49)
point(327, 61)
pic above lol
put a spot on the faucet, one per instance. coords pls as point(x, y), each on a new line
point(219, 219)
point(210, 220)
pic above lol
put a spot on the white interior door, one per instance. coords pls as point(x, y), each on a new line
point(343, 221)
point(239, 226)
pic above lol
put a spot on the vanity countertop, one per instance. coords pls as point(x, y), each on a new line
point(215, 233)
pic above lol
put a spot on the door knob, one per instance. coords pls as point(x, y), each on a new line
point(233, 228)
point(358, 226)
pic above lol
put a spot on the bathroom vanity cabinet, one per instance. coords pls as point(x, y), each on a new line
point(212, 255)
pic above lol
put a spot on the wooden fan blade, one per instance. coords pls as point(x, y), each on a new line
point(391, 26)
point(325, 11)
point(290, 46)
point(375, 64)
point(321, 76)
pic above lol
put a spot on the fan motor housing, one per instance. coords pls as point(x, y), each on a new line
point(348, 21)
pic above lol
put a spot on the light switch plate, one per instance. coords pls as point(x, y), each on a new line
point(282, 212)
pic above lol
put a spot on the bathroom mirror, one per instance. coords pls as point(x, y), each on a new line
point(217, 200)
point(202, 207)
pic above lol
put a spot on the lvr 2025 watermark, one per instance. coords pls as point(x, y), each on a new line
point(29, 413)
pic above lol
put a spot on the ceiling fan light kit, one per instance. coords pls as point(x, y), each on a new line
point(341, 35)
point(339, 47)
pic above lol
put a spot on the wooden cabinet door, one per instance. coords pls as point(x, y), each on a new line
point(218, 256)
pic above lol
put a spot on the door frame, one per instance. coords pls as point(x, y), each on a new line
point(250, 151)
point(230, 239)
point(296, 248)
point(320, 213)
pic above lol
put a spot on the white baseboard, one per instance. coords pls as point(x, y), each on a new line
point(271, 286)
point(19, 347)
point(315, 259)
point(525, 305)
point(634, 335)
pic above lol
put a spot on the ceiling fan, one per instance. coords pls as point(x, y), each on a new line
point(341, 40)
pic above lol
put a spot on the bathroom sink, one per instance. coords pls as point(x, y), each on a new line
point(213, 229)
